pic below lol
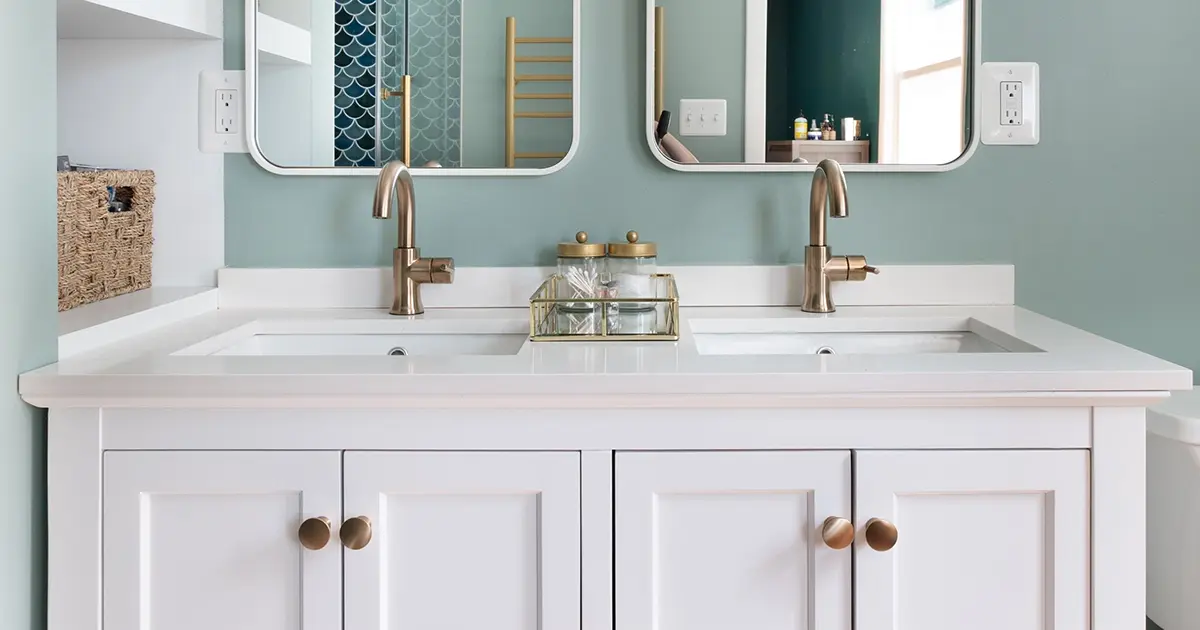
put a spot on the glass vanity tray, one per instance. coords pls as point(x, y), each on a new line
point(608, 316)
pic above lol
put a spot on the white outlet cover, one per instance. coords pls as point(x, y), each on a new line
point(1027, 130)
point(212, 82)
point(703, 117)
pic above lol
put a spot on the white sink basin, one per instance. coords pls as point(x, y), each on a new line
point(376, 345)
point(845, 335)
point(367, 336)
point(844, 343)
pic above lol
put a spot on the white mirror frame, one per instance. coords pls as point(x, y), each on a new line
point(268, 165)
point(787, 167)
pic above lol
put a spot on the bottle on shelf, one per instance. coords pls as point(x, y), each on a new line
point(800, 127)
point(827, 130)
point(814, 130)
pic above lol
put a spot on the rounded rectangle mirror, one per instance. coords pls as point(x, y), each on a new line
point(779, 85)
point(450, 87)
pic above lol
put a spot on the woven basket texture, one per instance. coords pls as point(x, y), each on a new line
point(103, 254)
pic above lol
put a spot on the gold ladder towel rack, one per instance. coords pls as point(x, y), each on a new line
point(513, 80)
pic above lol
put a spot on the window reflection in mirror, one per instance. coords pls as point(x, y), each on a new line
point(859, 81)
point(435, 83)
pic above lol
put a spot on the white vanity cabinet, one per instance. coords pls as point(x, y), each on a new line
point(464, 540)
point(708, 541)
point(930, 518)
point(201, 540)
point(987, 540)
point(990, 540)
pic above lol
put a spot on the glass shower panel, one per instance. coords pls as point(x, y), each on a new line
point(421, 39)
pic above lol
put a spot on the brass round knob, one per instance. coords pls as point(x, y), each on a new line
point(881, 535)
point(356, 533)
point(315, 533)
point(837, 532)
point(581, 237)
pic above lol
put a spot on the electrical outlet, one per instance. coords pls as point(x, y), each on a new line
point(1011, 103)
point(1011, 110)
point(702, 117)
point(228, 121)
point(223, 111)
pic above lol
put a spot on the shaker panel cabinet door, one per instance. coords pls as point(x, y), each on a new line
point(987, 540)
point(715, 541)
point(204, 540)
point(455, 541)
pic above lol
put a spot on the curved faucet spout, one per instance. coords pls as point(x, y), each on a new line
point(828, 182)
point(409, 270)
point(395, 178)
point(821, 268)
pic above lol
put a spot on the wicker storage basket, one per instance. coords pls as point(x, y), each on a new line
point(102, 254)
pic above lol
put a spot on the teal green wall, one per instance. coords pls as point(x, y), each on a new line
point(28, 277)
point(1100, 239)
point(825, 62)
point(484, 76)
point(706, 58)
point(780, 115)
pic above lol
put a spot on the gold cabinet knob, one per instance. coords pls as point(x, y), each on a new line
point(881, 535)
point(315, 533)
point(356, 533)
point(837, 532)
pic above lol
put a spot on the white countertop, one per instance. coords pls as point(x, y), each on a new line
point(145, 371)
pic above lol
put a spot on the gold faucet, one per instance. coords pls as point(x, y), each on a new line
point(820, 269)
point(409, 270)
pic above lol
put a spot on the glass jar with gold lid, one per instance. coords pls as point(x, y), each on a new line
point(631, 266)
point(581, 266)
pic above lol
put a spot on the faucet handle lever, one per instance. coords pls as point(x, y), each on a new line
point(441, 271)
point(432, 271)
point(848, 269)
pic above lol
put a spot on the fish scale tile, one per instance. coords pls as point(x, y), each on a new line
point(355, 100)
point(369, 131)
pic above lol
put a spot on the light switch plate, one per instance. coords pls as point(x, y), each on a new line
point(222, 123)
point(1011, 103)
point(702, 117)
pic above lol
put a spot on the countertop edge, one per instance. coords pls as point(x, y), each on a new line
point(732, 403)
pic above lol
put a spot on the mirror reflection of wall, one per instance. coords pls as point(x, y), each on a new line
point(332, 74)
point(705, 59)
point(891, 77)
point(924, 97)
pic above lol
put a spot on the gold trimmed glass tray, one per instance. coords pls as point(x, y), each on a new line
point(558, 314)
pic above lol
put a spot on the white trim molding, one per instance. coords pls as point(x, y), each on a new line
point(252, 61)
point(140, 19)
point(283, 43)
point(756, 82)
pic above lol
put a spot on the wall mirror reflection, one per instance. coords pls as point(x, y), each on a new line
point(782, 84)
point(447, 86)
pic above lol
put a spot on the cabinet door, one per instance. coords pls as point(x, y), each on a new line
point(196, 541)
point(463, 540)
point(714, 541)
point(984, 540)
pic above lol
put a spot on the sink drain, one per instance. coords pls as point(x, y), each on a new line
point(825, 350)
point(400, 352)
